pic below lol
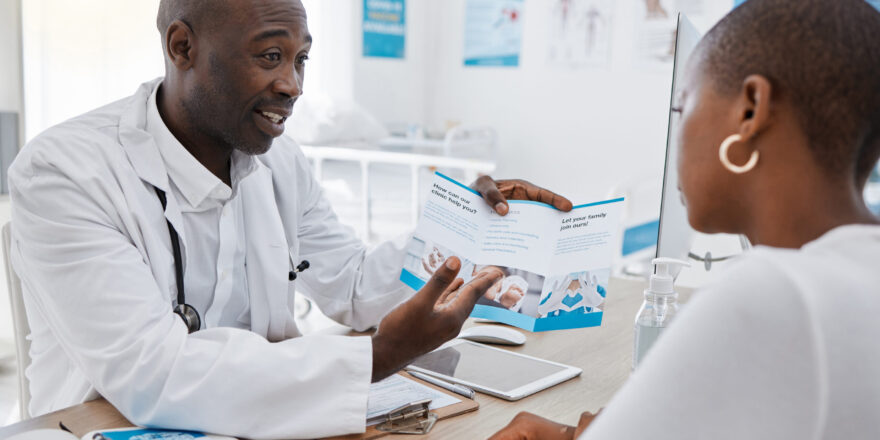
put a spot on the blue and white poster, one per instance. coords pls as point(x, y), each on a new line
point(384, 28)
point(493, 32)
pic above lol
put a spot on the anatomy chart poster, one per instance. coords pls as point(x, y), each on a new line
point(580, 33)
point(655, 27)
point(493, 32)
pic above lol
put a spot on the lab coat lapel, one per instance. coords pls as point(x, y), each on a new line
point(144, 154)
point(266, 255)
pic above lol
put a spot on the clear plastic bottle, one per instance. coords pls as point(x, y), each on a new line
point(659, 308)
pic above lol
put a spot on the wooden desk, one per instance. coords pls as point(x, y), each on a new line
point(604, 353)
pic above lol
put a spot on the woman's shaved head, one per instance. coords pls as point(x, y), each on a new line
point(822, 56)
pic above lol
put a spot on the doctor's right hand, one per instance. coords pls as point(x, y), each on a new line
point(431, 317)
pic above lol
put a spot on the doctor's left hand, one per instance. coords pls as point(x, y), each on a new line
point(497, 192)
point(431, 317)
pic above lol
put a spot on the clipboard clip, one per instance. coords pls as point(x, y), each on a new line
point(414, 418)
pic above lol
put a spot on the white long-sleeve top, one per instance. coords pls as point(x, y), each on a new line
point(784, 345)
point(91, 246)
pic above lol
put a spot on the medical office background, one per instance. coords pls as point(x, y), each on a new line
point(579, 104)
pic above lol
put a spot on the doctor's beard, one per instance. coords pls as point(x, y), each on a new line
point(205, 112)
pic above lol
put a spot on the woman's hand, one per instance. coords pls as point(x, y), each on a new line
point(527, 426)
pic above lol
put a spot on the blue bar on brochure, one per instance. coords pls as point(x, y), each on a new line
point(532, 202)
point(457, 183)
point(569, 321)
point(573, 320)
point(414, 282)
point(503, 315)
point(528, 202)
point(603, 202)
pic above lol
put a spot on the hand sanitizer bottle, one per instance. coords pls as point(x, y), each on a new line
point(659, 308)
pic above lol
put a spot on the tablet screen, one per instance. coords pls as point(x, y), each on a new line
point(487, 367)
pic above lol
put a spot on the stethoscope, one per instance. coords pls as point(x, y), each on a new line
point(186, 312)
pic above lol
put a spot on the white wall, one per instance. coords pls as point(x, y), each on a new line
point(84, 54)
point(394, 90)
point(576, 131)
point(330, 69)
point(398, 90)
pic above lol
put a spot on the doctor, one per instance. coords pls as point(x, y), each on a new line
point(197, 158)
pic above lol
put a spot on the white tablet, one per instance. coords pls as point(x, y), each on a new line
point(491, 370)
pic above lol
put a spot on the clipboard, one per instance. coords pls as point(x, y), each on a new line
point(465, 406)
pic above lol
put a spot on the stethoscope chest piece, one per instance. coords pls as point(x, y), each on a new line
point(190, 317)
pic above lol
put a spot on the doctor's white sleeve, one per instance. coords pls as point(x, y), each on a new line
point(99, 298)
point(351, 283)
point(743, 361)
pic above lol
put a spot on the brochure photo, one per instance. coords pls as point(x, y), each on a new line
point(556, 264)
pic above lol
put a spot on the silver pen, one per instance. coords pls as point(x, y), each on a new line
point(454, 387)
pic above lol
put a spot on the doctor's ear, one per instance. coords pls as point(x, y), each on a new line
point(753, 106)
point(179, 45)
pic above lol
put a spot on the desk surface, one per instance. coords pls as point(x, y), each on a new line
point(604, 353)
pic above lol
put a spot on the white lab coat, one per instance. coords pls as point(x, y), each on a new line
point(92, 248)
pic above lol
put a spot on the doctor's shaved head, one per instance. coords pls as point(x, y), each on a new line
point(195, 13)
point(822, 56)
point(233, 69)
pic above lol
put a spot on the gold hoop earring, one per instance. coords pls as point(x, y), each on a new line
point(736, 169)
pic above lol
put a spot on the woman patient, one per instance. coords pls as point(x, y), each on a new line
point(780, 127)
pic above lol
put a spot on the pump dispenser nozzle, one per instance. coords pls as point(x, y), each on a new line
point(659, 308)
point(662, 280)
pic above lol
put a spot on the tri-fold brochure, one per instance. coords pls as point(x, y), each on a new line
point(556, 264)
